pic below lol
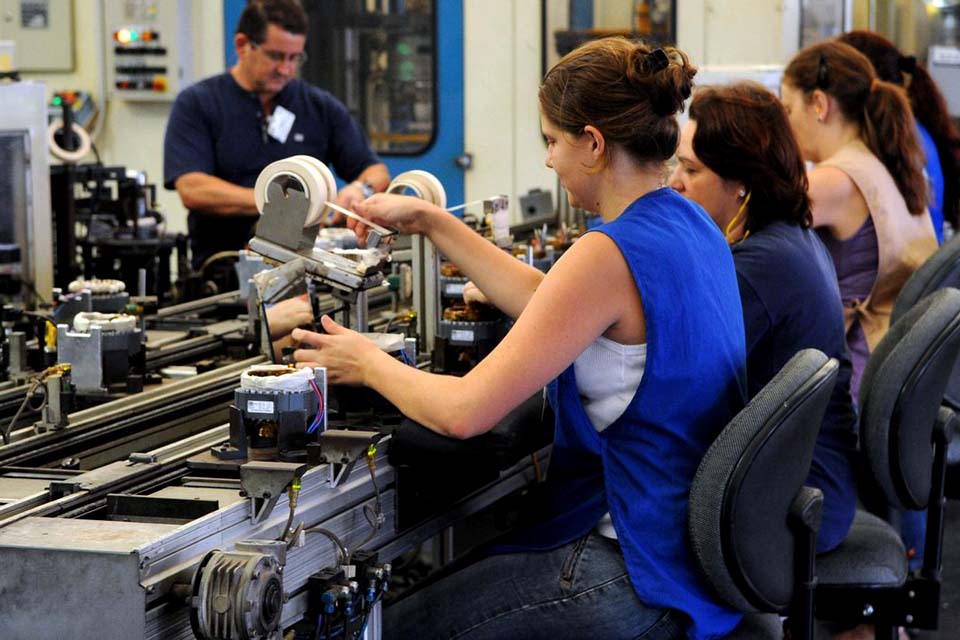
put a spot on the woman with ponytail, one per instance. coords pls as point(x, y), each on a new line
point(651, 294)
point(938, 135)
point(868, 191)
point(739, 160)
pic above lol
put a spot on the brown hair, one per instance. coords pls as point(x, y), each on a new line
point(743, 134)
point(927, 102)
point(627, 90)
point(880, 108)
point(259, 14)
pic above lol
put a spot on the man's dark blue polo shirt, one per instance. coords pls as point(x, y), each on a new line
point(218, 128)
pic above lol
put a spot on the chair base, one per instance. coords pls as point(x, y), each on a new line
point(915, 604)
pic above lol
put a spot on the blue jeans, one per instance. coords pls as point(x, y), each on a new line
point(579, 590)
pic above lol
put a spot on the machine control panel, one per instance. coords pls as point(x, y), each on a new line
point(150, 48)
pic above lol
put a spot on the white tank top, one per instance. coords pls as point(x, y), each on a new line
point(608, 374)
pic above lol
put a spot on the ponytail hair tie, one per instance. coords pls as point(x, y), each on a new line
point(874, 84)
point(658, 60)
point(907, 64)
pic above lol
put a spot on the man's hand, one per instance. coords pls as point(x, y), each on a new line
point(348, 197)
point(287, 315)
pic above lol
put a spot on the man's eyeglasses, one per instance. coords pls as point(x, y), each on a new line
point(278, 57)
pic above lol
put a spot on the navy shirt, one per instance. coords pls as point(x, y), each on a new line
point(788, 289)
point(217, 127)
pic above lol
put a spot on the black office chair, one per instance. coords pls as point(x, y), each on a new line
point(753, 525)
point(904, 433)
point(941, 270)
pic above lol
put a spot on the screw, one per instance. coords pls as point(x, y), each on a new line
point(868, 611)
point(911, 594)
point(909, 618)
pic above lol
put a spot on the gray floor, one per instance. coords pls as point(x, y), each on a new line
point(950, 596)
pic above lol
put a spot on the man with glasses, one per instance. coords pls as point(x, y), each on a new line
point(225, 129)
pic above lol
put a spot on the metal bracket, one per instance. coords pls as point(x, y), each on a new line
point(341, 449)
point(265, 482)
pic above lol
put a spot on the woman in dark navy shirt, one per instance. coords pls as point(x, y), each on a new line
point(738, 158)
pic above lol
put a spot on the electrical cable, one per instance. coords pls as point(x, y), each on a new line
point(34, 385)
point(321, 410)
point(292, 494)
point(377, 518)
point(342, 554)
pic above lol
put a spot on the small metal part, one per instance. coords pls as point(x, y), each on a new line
point(341, 449)
point(54, 416)
point(264, 483)
point(867, 610)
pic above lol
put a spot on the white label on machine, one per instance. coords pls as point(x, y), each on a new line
point(461, 335)
point(453, 289)
point(941, 55)
point(259, 406)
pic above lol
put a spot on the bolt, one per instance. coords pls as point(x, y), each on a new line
point(909, 618)
point(911, 594)
point(868, 611)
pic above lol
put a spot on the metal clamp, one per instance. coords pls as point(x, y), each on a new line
point(341, 449)
point(265, 482)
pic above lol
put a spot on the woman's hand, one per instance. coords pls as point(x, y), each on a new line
point(346, 354)
point(287, 315)
point(406, 214)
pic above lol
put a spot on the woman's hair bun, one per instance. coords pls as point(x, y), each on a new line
point(664, 74)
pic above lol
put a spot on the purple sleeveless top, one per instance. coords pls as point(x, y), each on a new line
point(856, 262)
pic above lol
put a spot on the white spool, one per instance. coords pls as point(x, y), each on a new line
point(424, 184)
point(61, 153)
point(313, 176)
point(287, 380)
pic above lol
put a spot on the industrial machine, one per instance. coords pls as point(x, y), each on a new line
point(240, 499)
point(25, 260)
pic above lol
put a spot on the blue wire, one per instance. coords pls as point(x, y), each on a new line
point(318, 420)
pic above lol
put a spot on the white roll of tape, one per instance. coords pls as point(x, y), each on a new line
point(424, 185)
point(63, 154)
point(314, 178)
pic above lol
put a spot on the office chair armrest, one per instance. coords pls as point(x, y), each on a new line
point(807, 509)
point(946, 425)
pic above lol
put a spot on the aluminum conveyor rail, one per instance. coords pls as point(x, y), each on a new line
point(137, 416)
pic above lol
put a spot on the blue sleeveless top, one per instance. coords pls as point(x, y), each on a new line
point(640, 468)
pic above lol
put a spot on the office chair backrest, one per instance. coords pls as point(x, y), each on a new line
point(940, 271)
point(900, 395)
point(749, 477)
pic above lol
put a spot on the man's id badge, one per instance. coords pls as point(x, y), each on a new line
point(280, 124)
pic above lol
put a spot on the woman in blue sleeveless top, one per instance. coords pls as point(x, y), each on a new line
point(640, 325)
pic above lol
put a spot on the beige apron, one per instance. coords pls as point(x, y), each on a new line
point(904, 241)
